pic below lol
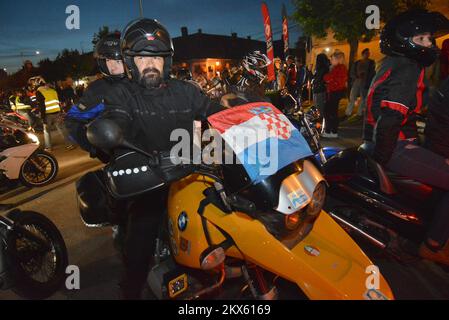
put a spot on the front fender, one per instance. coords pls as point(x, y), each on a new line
point(327, 264)
point(15, 157)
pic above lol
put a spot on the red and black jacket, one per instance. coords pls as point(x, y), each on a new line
point(396, 94)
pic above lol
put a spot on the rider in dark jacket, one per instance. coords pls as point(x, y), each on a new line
point(394, 98)
point(396, 95)
point(148, 109)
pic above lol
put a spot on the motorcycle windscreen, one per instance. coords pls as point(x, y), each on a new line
point(262, 137)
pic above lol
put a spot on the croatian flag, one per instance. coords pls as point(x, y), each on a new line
point(261, 136)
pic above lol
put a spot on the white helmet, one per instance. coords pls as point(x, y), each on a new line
point(35, 82)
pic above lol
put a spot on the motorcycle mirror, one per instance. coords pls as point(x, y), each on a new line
point(105, 134)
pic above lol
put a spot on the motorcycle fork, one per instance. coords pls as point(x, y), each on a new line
point(11, 226)
point(37, 165)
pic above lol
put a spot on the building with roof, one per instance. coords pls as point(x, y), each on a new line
point(207, 54)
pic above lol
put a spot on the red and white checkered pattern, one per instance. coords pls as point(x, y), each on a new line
point(276, 125)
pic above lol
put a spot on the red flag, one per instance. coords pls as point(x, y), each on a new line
point(285, 30)
point(269, 38)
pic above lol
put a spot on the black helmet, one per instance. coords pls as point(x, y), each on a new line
point(396, 36)
point(108, 47)
point(146, 37)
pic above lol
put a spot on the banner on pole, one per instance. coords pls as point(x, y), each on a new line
point(285, 30)
point(269, 39)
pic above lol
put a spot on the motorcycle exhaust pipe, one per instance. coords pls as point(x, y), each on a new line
point(373, 240)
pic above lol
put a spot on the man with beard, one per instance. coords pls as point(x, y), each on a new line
point(148, 109)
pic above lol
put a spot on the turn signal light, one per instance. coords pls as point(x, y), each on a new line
point(212, 257)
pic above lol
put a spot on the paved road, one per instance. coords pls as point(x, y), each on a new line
point(91, 249)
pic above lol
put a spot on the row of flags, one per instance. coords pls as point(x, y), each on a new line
point(269, 36)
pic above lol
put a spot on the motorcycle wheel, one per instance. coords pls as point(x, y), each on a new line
point(37, 273)
point(39, 169)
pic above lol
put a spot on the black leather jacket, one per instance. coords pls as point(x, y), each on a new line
point(149, 116)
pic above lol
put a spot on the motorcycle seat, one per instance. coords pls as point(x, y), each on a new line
point(385, 184)
point(390, 181)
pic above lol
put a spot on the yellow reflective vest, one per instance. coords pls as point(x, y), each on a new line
point(51, 99)
point(20, 106)
point(12, 101)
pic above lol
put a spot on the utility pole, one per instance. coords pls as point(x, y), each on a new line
point(141, 8)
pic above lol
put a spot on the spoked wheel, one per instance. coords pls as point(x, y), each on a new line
point(39, 169)
point(37, 255)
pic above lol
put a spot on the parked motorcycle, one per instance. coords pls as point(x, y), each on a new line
point(216, 88)
point(390, 211)
point(266, 238)
point(13, 118)
point(21, 158)
point(33, 255)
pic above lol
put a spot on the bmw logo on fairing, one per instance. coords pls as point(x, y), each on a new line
point(182, 221)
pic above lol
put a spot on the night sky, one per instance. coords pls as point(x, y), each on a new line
point(28, 26)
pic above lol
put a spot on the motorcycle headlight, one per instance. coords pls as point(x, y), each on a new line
point(33, 138)
point(317, 202)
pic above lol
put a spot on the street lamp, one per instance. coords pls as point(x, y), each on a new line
point(37, 52)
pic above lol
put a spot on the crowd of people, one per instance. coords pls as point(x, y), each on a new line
point(43, 105)
point(323, 83)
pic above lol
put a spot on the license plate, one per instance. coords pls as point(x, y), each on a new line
point(177, 286)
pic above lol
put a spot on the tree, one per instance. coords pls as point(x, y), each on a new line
point(411, 4)
point(346, 18)
point(103, 31)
